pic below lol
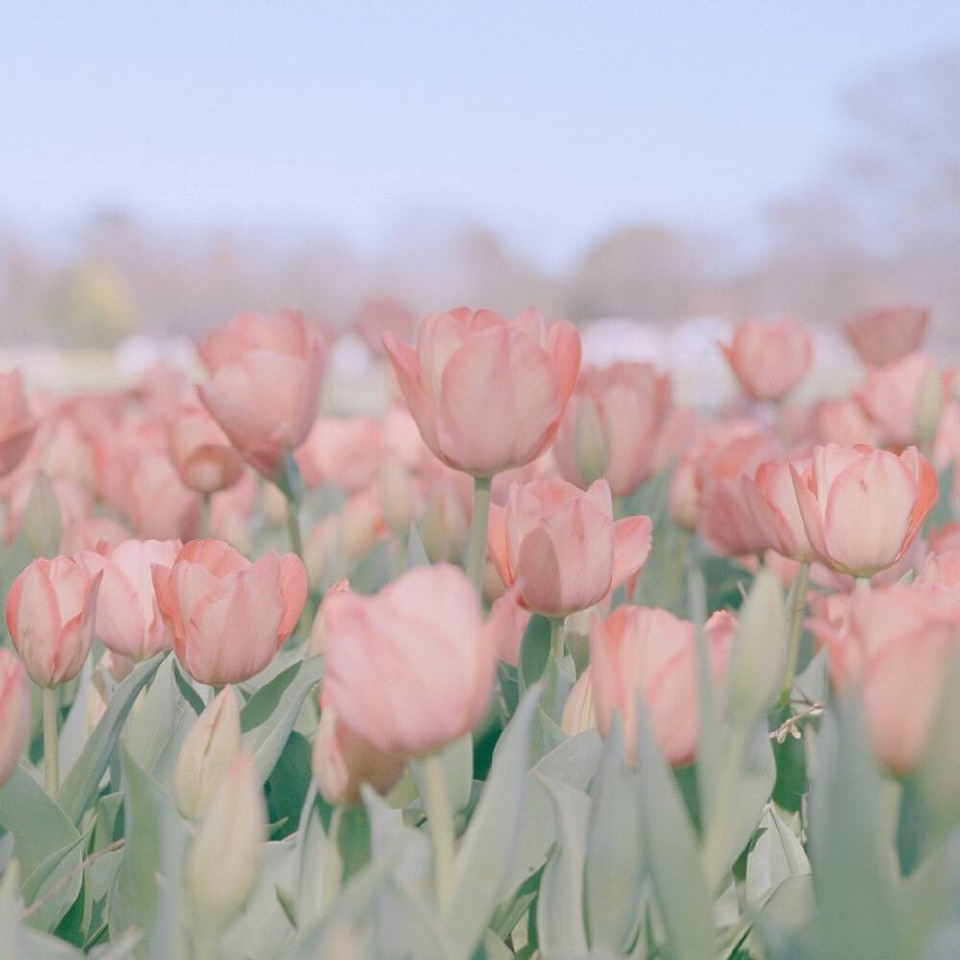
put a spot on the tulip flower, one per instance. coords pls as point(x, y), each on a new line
point(201, 451)
point(207, 753)
point(843, 421)
point(773, 502)
point(487, 393)
point(51, 609)
point(14, 713)
point(228, 616)
point(17, 425)
point(412, 668)
point(342, 761)
point(862, 508)
point(884, 336)
point(128, 620)
point(264, 390)
point(93, 533)
point(561, 545)
point(344, 453)
point(317, 644)
point(380, 315)
point(650, 653)
point(769, 360)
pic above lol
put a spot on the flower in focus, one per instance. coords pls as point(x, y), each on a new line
point(487, 393)
point(14, 713)
point(884, 336)
point(561, 545)
point(769, 359)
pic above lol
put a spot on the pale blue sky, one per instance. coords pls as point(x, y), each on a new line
point(550, 120)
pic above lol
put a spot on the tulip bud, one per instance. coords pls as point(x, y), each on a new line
point(206, 754)
point(578, 714)
point(223, 862)
point(41, 519)
point(14, 713)
point(396, 495)
point(443, 526)
point(317, 644)
point(931, 399)
point(274, 504)
point(758, 660)
point(591, 452)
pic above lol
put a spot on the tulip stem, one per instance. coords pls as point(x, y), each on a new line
point(205, 516)
point(293, 526)
point(51, 754)
point(556, 638)
point(863, 583)
point(796, 628)
point(440, 820)
point(477, 545)
point(333, 868)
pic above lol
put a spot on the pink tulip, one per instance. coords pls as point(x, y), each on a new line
point(93, 533)
point(769, 359)
point(159, 506)
point(843, 421)
point(344, 453)
point(883, 336)
point(773, 502)
point(14, 713)
point(342, 761)
point(128, 619)
point(411, 668)
point(51, 609)
point(942, 568)
point(17, 425)
point(264, 390)
point(380, 315)
point(611, 426)
point(649, 653)
point(562, 546)
point(200, 450)
point(946, 538)
point(487, 393)
point(228, 616)
point(894, 646)
point(862, 507)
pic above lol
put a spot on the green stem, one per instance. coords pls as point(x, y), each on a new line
point(863, 583)
point(51, 757)
point(477, 545)
point(293, 526)
point(205, 516)
point(556, 638)
point(440, 820)
point(333, 868)
point(796, 628)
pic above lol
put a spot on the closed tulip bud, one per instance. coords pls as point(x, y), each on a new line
point(51, 609)
point(769, 360)
point(41, 519)
point(590, 452)
point(342, 761)
point(578, 713)
point(884, 336)
point(396, 496)
point(14, 713)
point(444, 525)
point(200, 450)
point(207, 752)
point(223, 861)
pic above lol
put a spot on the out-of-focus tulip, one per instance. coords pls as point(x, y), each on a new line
point(942, 568)
point(487, 393)
point(646, 652)
point(93, 533)
point(946, 538)
point(128, 619)
point(862, 507)
point(200, 450)
point(318, 633)
point(883, 336)
point(40, 525)
point(578, 712)
point(344, 453)
point(222, 865)
point(894, 646)
point(396, 496)
point(513, 620)
point(379, 315)
point(207, 753)
point(18, 426)
point(562, 546)
point(228, 616)
point(264, 390)
point(843, 421)
point(342, 761)
point(231, 510)
point(444, 524)
point(611, 426)
point(411, 668)
point(14, 713)
point(51, 609)
point(769, 359)
point(158, 505)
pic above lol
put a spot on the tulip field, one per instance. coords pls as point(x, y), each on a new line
point(532, 660)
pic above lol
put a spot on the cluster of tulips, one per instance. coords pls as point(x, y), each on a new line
point(539, 661)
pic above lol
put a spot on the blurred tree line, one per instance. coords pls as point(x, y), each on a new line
point(880, 224)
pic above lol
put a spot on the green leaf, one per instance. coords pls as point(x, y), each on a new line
point(82, 782)
point(416, 553)
point(405, 927)
point(17, 941)
point(509, 685)
point(668, 838)
point(457, 761)
point(534, 651)
point(269, 715)
point(560, 922)
point(155, 718)
point(775, 855)
point(489, 846)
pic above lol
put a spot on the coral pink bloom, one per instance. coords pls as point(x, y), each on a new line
point(891, 396)
point(381, 315)
point(773, 502)
point(883, 336)
point(266, 373)
point(562, 546)
point(942, 568)
point(862, 507)
point(14, 713)
point(649, 653)
point(17, 425)
point(487, 393)
point(159, 506)
point(93, 533)
point(612, 425)
point(843, 421)
point(894, 646)
point(200, 450)
point(228, 616)
point(769, 359)
point(128, 619)
point(345, 453)
point(412, 668)
point(946, 538)
point(51, 609)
